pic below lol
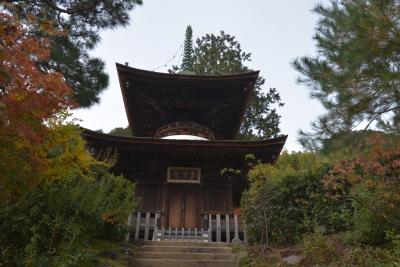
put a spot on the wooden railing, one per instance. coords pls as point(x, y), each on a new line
point(182, 234)
point(142, 223)
point(223, 227)
point(220, 227)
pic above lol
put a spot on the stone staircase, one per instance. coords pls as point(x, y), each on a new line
point(185, 254)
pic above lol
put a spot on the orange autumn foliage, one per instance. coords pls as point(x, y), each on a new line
point(377, 173)
point(28, 94)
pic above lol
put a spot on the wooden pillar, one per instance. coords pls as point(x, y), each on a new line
point(147, 226)
point(230, 198)
point(236, 226)
point(209, 228)
point(164, 205)
point(218, 228)
point(142, 194)
point(201, 209)
point(227, 230)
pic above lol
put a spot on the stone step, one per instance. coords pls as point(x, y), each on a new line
point(185, 243)
point(187, 249)
point(184, 263)
point(186, 256)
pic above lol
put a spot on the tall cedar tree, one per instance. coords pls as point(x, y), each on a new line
point(222, 55)
point(356, 73)
point(81, 21)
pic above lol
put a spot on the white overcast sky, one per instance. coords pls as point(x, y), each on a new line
point(274, 31)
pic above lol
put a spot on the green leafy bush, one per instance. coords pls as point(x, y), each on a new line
point(288, 199)
point(54, 223)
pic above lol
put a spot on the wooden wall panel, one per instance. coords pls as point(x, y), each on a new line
point(150, 198)
point(216, 199)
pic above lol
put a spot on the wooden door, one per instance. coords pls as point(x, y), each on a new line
point(184, 208)
point(175, 208)
point(191, 209)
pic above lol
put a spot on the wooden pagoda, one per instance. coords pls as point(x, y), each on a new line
point(183, 128)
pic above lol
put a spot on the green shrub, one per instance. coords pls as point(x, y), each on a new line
point(51, 226)
point(288, 199)
point(75, 201)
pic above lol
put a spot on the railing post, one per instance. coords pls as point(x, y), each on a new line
point(156, 217)
point(228, 234)
point(162, 233)
point(205, 221)
point(209, 228)
point(195, 234)
point(138, 217)
point(147, 226)
point(218, 228)
point(236, 226)
point(155, 228)
point(129, 224)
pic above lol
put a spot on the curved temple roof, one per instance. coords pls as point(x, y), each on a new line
point(265, 150)
point(155, 99)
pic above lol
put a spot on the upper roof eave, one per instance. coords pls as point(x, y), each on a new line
point(185, 77)
point(160, 81)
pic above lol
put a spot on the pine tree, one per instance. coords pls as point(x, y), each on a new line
point(80, 20)
point(356, 73)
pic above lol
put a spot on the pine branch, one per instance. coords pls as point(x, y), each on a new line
point(379, 114)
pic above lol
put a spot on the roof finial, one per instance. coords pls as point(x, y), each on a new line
point(187, 63)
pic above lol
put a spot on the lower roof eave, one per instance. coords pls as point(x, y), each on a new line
point(267, 150)
point(92, 136)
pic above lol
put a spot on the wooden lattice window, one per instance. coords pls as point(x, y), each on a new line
point(183, 175)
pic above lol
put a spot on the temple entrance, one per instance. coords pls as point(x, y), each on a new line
point(184, 208)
